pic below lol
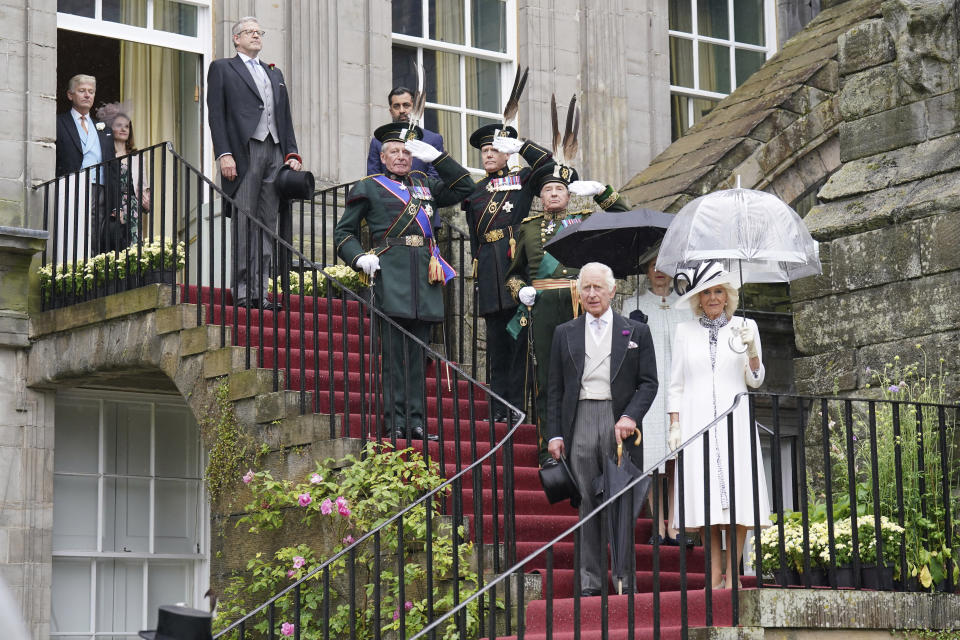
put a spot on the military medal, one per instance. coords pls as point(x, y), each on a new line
point(523, 321)
point(427, 209)
point(401, 186)
point(508, 206)
point(421, 192)
point(506, 183)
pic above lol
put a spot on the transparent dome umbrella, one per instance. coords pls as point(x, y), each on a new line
point(756, 234)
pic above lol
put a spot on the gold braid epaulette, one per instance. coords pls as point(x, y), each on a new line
point(529, 218)
point(609, 200)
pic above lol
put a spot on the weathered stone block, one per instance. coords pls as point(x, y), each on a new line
point(868, 92)
point(222, 362)
point(931, 349)
point(827, 373)
point(883, 131)
point(298, 430)
point(280, 404)
point(939, 238)
point(136, 300)
point(337, 449)
point(252, 382)
point(204, 338)
point(865, 45)
point(943, 114)
point(925, 35)
point(77, 315)
point(854, 215)
point(175, 318)
point(870, 316)
point(875, 257)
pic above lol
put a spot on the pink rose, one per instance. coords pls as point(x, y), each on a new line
point(342, 507)
point(396, 614)
point(287, 628)
point(326, 507)
point(304, 499)
point(408, 605)
point(348, 540)
point(316, 479)
point(298, 562)
point(291, 573)
point(248, 476)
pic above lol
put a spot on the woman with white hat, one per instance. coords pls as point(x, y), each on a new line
point(707, 372)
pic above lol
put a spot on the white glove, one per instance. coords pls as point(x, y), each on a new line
point(749, 337)
point(507, 145)
point(587, 188)
point(369, 263)
point(527, 296)
point(673, 437)
point(421, 150)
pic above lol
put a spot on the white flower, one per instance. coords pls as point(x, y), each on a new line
point(101, 126)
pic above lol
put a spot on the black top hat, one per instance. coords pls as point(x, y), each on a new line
point(398, 132)
point(294, 185)
point(180, 623)
point(559, 484)
point(486, 134)
point(552, 172)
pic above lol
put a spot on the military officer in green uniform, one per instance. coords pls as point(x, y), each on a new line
point(494, 209)
point(546, 289)
point(399, 207)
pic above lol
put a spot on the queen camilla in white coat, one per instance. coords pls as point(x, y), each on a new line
point(706, 375)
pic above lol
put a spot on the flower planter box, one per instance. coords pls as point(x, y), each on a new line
point(878, 578)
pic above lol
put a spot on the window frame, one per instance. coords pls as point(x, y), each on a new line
point(730, 44)
point(506, 60)
point(200, 560)
point(201, 43)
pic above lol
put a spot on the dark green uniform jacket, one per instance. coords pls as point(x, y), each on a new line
point(492, 215)
point(401, 286)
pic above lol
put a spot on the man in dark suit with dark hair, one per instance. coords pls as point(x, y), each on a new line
point(253, 137)
point(400, 100)
point(83, 142)
point(603, 378)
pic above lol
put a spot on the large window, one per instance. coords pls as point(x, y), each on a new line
point(715, 45)
point(466, 49)
point(129, 513)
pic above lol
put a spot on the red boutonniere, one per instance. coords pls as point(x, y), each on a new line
point(271, 65)
point(626, 332)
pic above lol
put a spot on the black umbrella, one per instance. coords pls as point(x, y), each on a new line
point(622, 514)
point(615, 238)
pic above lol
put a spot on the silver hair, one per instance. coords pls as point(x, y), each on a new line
point(81, 78)
point(238, 26)
point(607, 272)
point(733, 300)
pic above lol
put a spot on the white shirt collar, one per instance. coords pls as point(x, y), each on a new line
point(76, 115)
point(606, 316)
point(246, 59)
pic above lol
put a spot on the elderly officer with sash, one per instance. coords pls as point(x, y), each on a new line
point(399, 207)
point(546, 289)
point(500, 201)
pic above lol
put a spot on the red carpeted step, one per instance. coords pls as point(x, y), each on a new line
point(355, 402)
point(216, 313)
point(293, 303)
point(669, 581)
point(543, 525)
point(563, 556)
point(526, 433)
point(590, 633)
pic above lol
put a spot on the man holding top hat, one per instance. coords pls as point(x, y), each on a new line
point(546, 289)
point(399, 207)
point(501, 200)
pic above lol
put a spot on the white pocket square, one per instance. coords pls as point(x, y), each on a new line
point(632, 345)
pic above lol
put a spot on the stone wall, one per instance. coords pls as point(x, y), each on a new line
point(888, 223)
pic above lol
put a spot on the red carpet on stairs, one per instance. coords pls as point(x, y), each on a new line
point(288, 333)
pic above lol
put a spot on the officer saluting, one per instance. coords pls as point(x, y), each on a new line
point(500, 201)
point(399, 207)
point(546, 289)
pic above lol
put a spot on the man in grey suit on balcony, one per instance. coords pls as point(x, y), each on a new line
point(252, 130)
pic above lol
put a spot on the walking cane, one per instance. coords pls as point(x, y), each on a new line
point(370, 364)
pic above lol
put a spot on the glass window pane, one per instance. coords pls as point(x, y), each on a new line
point(408, 17)
point(679, 116)
point(175, 17)
point(442, 82)
point(177, 450)
point(680, 16)
point(76, 435)
point(132, 12)
point(474, 123)
point(681, 62)
point(701, 107)
point(74, 513)
point(167, 582)
point(714, 68)
point(85, 8)
point(177, 526)
point(120, 595)
point(70, 595)
point(489, 22)
point(483, 85)
point(446, 20)
point(448, 124)
point(404, 69)
point(713, 18)
point(748, 21)
point(126, 439)
point(747, 63)
point(126, 514)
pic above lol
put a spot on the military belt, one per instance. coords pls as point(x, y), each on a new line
point(493, 236)
point(552, 283)
point(404, 241)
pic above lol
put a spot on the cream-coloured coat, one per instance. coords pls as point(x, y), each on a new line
point(699, 394)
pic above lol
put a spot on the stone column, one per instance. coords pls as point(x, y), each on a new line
point(26, 444)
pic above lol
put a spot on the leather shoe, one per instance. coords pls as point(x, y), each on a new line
point(267, 305)
point(415, 433)
point(590, 593)
point(658, 539)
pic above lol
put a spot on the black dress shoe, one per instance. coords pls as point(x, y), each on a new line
point(266, 305)
point(417, 433)
point(675, 542)
point(590, 593)
point(658, 539)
